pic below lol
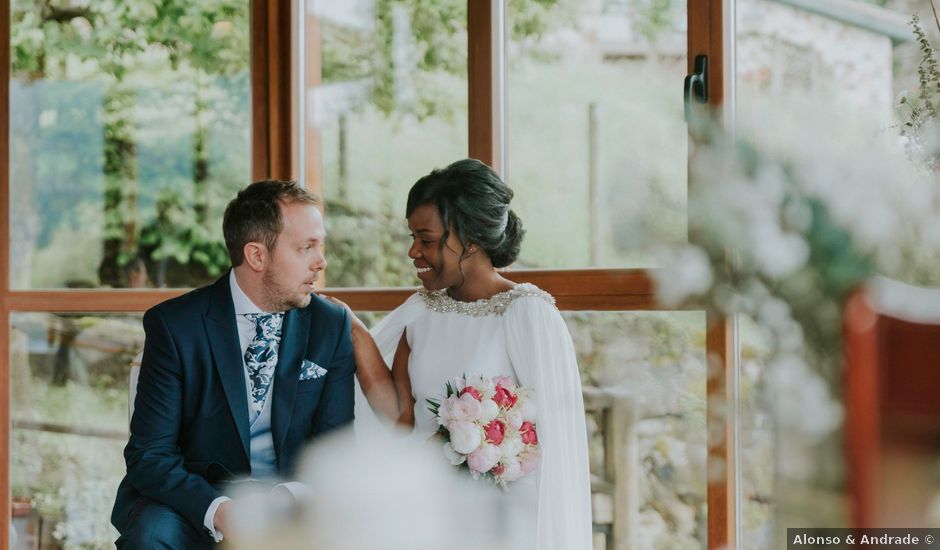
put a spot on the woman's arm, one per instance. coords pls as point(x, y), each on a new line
point(406, 402)
point(373, 374)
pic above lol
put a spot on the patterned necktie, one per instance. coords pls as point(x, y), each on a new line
point(261, 355)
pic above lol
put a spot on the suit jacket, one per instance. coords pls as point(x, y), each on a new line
point(189, 432)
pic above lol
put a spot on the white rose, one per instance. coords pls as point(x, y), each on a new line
point(465, 436)
point(453, 456)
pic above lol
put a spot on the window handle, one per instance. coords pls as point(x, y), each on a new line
point(696, 86)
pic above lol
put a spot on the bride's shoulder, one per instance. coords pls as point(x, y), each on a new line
point(528, 296)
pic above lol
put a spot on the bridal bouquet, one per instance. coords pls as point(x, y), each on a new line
point(488, 426)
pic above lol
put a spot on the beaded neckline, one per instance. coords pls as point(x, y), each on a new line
point(441, 302)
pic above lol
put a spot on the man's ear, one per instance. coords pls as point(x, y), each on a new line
point(256, 256)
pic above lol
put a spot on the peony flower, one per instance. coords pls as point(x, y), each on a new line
point(528, 434)
point(489, 410)
point(495, 431)
point(505, 382)
point(514, 418)
point(465, 437)
point(512, 469)
point(458, 409)
point(482, 385)
point(512, 445)
point(470, 390)
point(528, 461)
point(453, 456)
point(504, 398)
point(528, 410)
point(483, 459)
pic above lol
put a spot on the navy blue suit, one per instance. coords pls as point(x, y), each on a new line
point(189, 432)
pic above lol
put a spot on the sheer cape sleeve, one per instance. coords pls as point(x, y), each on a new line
point(543, 356)
point(386, 334)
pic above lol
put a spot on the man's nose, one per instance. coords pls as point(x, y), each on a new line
point(320, 263)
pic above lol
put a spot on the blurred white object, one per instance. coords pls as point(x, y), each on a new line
point(914, 304)
point(385, 493)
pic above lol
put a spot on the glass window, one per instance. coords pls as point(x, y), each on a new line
point(69, 414)
point(655, 362)
point(596, 144)
point(130, 131)
point(386, 103)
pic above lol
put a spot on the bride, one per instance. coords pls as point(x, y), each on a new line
point(469, 319)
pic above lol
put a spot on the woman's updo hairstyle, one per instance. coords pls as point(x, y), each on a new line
point(474, 202)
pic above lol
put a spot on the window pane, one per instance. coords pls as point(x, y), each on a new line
point(69, 384)
point(656, 362)
point(596, 144)
point(388, 104)
point(128, 137)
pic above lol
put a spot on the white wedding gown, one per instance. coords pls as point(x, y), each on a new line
point(517, 333)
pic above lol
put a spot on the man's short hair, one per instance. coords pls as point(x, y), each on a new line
point(254, 215)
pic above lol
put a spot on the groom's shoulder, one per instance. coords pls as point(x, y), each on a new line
point(321, 308)
point(184, 304)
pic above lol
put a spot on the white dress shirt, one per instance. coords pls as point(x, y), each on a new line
point(246, 333)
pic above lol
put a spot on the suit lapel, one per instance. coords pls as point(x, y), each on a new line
point(293, 346)
point(223, 340)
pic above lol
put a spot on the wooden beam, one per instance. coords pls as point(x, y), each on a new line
point(706, 36)
point(485, 31)
point(272, 100)
point(4, 274)
point(313, 75)
point(719, 412)
point(591, 289)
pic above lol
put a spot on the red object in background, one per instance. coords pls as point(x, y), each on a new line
point(892, 401)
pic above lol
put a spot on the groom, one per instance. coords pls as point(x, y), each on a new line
point(235, 376)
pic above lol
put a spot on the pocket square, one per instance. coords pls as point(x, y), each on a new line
point(311, 371)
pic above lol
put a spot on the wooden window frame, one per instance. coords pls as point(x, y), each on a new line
point(275, 142)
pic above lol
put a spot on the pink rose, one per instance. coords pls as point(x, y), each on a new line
point(472, 391)
point(483, 459)
point(498, 469)
point(504, 398)
point(528, 434)
point(495, 431)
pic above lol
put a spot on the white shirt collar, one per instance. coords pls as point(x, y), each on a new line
point(243, 303)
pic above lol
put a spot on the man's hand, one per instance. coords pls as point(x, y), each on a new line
point(356, 324)
point(221, 517)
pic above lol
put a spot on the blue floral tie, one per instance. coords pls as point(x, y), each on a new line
point(261, 355)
